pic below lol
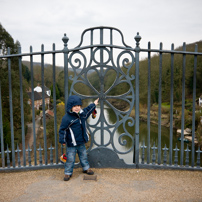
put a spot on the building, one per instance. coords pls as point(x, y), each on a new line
point(38, 97)
point(39, 90)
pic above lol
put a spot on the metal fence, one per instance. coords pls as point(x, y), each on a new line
point(102, 55)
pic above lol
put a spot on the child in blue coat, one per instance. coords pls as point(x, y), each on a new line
point(73, 133)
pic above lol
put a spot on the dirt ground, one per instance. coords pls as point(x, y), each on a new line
point(111, 185)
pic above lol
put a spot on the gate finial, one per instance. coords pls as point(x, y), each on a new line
point(137, 39)
point(65, 39)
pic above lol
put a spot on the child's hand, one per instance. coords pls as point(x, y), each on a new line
point(96, 101)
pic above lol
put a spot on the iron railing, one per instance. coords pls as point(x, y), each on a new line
point(85, 59)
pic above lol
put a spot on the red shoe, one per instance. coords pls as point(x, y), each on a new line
point(63, 159)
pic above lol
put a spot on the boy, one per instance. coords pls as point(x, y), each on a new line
point(73, 133)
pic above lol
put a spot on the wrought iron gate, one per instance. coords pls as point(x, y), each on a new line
point(99, 53)
point(104, 59)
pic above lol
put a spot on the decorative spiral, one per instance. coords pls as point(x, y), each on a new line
point(125, 63)
point(77, 63)
point(102, 66)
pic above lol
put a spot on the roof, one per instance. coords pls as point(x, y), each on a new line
point(49, 112)
point(39, 88)
point(45, 95)
point(37, 96)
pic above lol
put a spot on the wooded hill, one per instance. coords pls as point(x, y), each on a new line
point(166, 73)
point(6, 41)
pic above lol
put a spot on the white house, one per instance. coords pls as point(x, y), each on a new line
point(39, 90)
point(38, 99)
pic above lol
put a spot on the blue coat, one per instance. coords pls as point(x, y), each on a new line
point(73, 126)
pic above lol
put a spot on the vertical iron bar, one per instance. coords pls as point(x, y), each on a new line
point(137, 51)
point(102, 88)
point(148, 103)
point(176, 155)
point(51, 154)
point(171, 107)
point(11, 109)
point(198, 157)
point(40, 155)
point(33, 109)
point(29, 155)
point(111, 37)
point(154, 154)
point(91, 37)
point(65, 39)
point(21, 104)
point(143, 151)
point(159, 106)
point(193, 112)
point(183, 106)
point(8, 156)
point(55, 112)
point(187, 156)
point(18, 153)
point(43, 105)
point(165, 149)
point(66, 78)
point(2, 135)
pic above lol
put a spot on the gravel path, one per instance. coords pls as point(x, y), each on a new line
point(111, 185)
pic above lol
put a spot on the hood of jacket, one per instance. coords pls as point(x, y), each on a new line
point(73, 100)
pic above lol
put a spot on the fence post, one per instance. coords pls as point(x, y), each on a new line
point(65, 39)
point(194, 108)
point(159, 104)
point(11, 109)
point(137, 50)
point(43, 105)
point(33, 110)
point(55, 111)
point(21, 104)
point(148, 103)
point(183, 105)
point(171, 106)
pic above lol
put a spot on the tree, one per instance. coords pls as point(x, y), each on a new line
point(57, 92)
point(7, 41)
point(26, 73)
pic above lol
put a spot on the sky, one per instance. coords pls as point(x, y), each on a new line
point(36, 22)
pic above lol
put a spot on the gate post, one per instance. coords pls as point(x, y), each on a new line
point(136, 148)
point(65, 39)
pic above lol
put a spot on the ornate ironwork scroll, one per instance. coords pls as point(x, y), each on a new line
point(103, 59)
